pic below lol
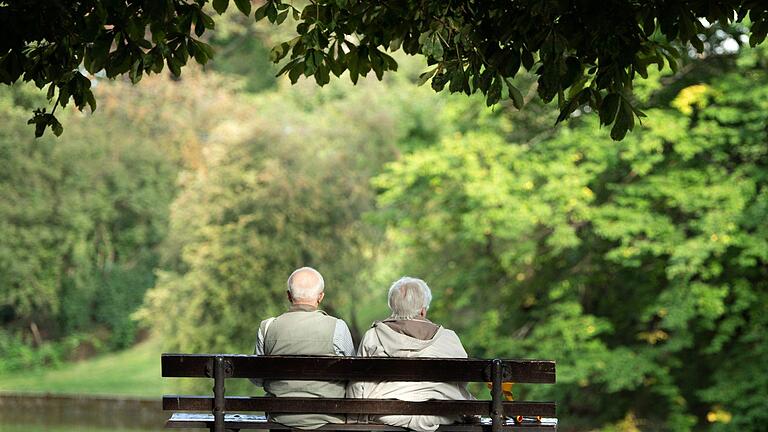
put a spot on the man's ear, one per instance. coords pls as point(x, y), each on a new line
point(423, 312)
point(290, 297)
point(320, 297)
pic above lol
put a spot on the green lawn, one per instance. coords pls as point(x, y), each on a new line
point(134, 372)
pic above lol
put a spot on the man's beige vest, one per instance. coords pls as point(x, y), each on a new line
point(303, 332)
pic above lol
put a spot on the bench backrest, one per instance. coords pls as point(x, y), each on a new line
point(356, 368)
point(221, 366)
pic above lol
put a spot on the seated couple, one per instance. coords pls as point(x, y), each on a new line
point(306, 330)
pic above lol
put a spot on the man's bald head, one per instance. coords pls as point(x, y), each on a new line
point(305, 285)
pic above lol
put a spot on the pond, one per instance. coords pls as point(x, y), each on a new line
point(57, 413)
point(73, 428)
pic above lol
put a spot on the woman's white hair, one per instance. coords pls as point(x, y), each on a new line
point(407, 296)
point(305, 283)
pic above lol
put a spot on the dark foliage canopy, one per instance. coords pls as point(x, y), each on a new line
point(584, 52)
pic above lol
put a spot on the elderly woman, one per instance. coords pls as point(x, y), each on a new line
point(408, 333)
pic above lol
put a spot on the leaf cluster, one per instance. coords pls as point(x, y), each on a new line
point(62, 45)
point(584, 53)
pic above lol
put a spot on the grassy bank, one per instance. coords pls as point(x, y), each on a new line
point(133, 372)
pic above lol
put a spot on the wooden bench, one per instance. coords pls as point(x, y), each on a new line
point(504, 415)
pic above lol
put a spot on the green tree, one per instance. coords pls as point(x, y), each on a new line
point(81, 218)
point(640, 266)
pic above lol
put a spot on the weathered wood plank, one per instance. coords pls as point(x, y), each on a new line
point(244, 421)
point(353, 368)
point(357, 406)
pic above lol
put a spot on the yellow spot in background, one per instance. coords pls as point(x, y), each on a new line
point(528, 185)
point(719, 415)
point(713, 237)
point(628, 424)
point(695, 95)
point(520, 277)
point(529, 300)
point(629, 251)
point(653, 337)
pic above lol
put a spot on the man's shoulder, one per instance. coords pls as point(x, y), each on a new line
point(337, 320)
point(340, 321)
point(265, 323)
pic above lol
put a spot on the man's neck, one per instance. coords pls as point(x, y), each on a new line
point(302, 307)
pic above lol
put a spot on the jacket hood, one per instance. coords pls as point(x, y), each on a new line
point(399, 345)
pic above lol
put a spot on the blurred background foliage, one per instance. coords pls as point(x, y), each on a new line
point(179, 208)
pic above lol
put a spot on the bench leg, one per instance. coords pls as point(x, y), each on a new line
point(497, 412)
point(218, 394)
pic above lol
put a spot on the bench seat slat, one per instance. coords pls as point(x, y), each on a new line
point(355, 368)
point(245, 421)
point(356, 406)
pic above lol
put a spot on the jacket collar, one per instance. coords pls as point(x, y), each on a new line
point(303, 308)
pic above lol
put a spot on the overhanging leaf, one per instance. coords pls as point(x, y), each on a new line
point(244, 6)
point(220, 6)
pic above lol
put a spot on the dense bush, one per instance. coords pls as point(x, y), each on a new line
point(18, 354)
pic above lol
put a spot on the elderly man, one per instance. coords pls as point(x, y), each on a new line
point(304, 330)
point(408, 333)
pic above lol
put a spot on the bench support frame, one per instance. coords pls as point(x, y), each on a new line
point(497, 413)
point(220, 370)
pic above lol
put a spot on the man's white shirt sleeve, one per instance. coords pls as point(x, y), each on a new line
point(342, 339)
